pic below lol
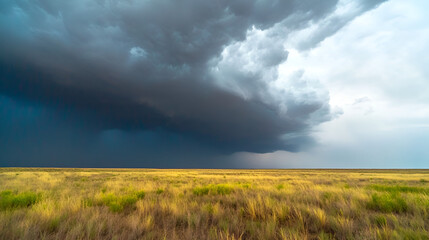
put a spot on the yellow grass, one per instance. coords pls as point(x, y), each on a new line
point(213, 204)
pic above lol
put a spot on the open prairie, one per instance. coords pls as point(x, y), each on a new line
point(38, 203)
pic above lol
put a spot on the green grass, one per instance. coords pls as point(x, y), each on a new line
point(399, 189)
point(10, 200)
point(159, 191)
point(217, 189)
point(213, 204)
point(118, 203)
point(380, 221)
point(388, 203)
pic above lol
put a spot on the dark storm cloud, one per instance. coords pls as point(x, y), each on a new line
point(35, 135)
point(201, 69)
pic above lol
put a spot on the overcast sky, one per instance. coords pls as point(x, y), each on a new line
point(242, 84)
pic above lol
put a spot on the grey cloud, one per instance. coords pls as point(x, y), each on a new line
point(204, 69)
point(345, 13)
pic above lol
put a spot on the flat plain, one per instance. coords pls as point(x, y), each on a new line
point(48, 203)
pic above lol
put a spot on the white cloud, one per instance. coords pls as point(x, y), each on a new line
point(138, 52)
point(376, 71)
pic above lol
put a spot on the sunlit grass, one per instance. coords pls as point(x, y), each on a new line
point(213, 204)
point(218, 189)
point(392, 202)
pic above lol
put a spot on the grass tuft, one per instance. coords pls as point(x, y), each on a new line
point(119, 203)
point(10, 200)
point(388, 203)
point(218, 189)
point(380, 221)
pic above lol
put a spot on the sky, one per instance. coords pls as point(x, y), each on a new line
point(214, 84)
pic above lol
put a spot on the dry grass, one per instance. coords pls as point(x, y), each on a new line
point(213, 204)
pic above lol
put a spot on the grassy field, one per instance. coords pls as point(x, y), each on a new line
point(213, 204)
